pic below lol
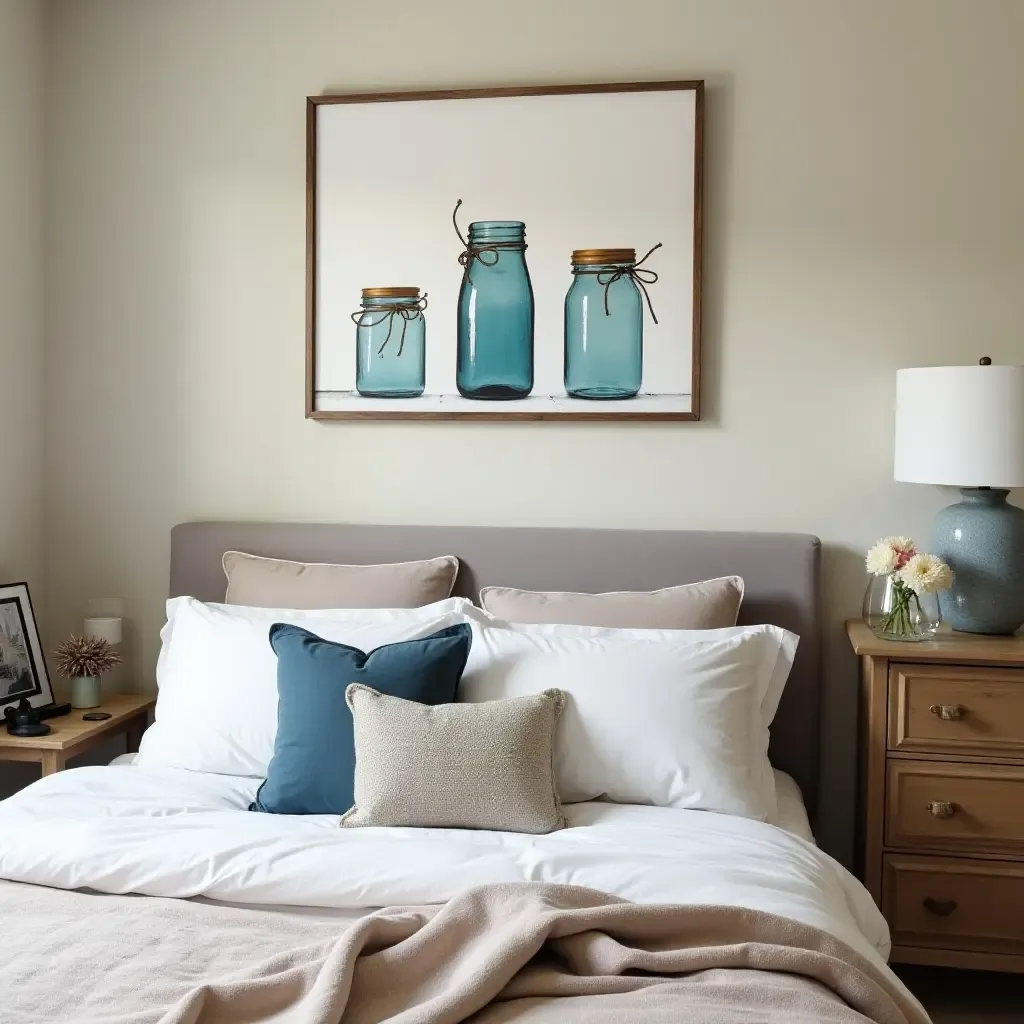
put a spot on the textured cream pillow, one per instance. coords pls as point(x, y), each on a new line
point(713, 604)
point(277, 583)
point(487, 765)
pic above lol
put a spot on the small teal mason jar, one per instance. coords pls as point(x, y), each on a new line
point(494, 358)
point(604, 326)
point(391, 336)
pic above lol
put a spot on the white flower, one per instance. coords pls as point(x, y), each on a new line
point(925, 574)
point(881, 559)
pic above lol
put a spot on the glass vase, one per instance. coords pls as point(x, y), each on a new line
point(894, 612)
point(604, 326)
point(495, 314)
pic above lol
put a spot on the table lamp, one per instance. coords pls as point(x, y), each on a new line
point(964, 426)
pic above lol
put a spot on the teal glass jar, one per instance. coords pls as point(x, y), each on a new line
point(391, 342)
point(494, 358)
point(604, 326)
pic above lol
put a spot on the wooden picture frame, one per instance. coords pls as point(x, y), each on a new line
point(330, 183)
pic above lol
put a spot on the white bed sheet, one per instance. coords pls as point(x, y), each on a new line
point(171, 832)
point(791, 812)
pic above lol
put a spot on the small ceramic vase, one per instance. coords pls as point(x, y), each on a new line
point(85, 692)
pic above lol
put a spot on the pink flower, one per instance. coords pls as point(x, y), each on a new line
point(890, 555)
point(904, 550)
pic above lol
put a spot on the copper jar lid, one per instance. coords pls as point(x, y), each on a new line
point(391, 293)
point(601, 256)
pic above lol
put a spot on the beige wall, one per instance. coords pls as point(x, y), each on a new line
point(21, 304)
point(21, 310)
point(864, 212)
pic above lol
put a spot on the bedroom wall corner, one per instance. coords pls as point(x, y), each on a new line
point(21, 306)
point(863, 213)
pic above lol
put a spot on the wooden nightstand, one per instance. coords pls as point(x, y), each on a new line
point(70, 735)
point(941, 795)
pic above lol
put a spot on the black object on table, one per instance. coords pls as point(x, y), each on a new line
point(24, 720)
point(54, 711)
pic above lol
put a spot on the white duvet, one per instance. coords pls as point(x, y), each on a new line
point(171, 832)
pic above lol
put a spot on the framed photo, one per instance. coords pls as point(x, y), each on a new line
point(22, 665)
point(497, 254)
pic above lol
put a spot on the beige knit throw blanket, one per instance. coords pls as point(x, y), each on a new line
point(513, 952)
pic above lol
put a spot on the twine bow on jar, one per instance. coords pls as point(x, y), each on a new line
point(472, 252)
point(641, 277)
point(408, 311)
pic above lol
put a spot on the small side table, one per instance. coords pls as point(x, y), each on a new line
point(70, 735)
point(941, 795)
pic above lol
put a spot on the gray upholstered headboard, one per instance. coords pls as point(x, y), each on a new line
point(781, 570)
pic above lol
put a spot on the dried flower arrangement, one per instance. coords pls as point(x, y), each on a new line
point(85, 656)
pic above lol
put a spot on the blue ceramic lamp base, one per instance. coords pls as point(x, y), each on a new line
point(981, 537)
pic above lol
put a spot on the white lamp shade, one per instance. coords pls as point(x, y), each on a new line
point(105, 628)
point(960, 425)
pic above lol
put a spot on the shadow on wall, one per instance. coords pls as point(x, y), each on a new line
point(843, 583)
point(17, 775)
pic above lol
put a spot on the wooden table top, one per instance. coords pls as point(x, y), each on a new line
point(948, 645)
point(69, 730)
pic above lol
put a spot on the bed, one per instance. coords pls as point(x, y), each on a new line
point(155, 896)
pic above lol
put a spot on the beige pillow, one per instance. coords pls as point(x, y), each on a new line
point(276, 583)
point(487, 765)
point(713, 604)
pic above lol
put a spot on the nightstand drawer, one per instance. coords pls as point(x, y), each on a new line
point(938, 709)
point(965, 808)
point(954, 904)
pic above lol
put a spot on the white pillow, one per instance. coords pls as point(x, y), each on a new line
point(674, 722)
point(216, 708)
point(776, 685)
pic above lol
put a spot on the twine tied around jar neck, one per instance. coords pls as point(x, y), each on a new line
point(641, 277)
point(472, 252)
point(407, 311)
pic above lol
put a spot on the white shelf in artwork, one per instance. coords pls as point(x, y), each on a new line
point(351, 401)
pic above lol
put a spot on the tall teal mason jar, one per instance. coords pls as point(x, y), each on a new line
point(604, 326)
point(391, 338)
point(494, 358)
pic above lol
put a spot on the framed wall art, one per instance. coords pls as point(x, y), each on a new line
point(22, 665)
point(518, 253)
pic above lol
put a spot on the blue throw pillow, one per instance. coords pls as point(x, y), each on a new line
point(314, 760)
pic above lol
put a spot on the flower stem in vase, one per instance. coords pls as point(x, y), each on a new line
point(897, 621)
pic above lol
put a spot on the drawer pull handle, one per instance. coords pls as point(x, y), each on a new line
point(943, 908)
point(941, 808)
point(948, 712)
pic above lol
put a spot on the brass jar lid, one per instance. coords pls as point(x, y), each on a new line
point(391, 293)
point(592, 256)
